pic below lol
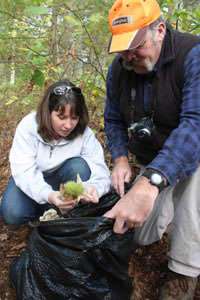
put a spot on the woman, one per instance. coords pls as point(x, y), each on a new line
point(50, 147)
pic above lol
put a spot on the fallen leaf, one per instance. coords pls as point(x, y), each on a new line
point(19, 246)
point(3, 237)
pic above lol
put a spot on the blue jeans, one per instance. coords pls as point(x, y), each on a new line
point(18, 208)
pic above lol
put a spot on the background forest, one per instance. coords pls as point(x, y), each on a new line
point(46, 40)
point(42, 41)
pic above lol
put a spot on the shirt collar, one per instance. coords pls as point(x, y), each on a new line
point(167, 54)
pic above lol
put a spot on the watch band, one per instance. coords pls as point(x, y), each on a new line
point(156, 178)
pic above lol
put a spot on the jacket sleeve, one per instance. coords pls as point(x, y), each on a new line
point(24, 169)
point(92, 152)
point(115, 129)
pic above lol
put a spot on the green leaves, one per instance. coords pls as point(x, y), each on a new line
point(11, 100)
point(36, 10)
point(38, 77)
point(46, 40)
point(184, 15)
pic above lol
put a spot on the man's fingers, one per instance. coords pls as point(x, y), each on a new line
point(109, 214)
point(115, 182)
point(118, 183)
point(127, 177)
point(121, 186)
point(120, 226)
point(132, 225)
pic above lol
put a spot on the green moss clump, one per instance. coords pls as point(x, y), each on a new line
point(73, 189)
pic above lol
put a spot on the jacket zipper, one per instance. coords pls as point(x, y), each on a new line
point(51, 151)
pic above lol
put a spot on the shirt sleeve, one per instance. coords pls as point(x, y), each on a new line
point(92, 152)
point(24, 170)
point(115, 128)
point(180, 154)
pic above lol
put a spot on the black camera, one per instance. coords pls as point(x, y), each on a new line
point(142, 130)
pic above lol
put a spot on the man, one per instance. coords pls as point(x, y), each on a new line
point(153, 110)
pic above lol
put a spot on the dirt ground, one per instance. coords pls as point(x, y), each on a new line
point(148, 264)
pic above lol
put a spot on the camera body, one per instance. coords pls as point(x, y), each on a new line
point(143, 129)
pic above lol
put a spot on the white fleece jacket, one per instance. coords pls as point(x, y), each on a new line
point(30, 155)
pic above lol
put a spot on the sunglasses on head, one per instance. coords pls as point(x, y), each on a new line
point(64, 89)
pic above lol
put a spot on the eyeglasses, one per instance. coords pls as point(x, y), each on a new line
point(133, 50)
point(64, 89)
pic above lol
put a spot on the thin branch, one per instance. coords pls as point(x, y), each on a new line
point(91, 40)
point(22, 38)
point(27, 21)
point(36, 52)
point(177, 21)
point(89, 63)
point(194, 28)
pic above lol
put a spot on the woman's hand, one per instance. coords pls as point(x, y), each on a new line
point(90, 194)
point(64, 204)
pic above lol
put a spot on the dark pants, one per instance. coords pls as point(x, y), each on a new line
point(18, 208)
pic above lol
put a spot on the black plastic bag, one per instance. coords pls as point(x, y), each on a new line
point(78, 257)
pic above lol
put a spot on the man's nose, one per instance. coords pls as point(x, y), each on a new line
point(129, 55)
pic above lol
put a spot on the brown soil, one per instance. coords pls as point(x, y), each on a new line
point(148, 264)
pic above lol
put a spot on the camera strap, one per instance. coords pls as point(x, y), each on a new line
point(149, 94)
point(147, 97)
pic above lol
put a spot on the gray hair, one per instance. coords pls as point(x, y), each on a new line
point(153, 25)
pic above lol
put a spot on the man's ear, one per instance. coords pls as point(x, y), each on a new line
point(161, 31)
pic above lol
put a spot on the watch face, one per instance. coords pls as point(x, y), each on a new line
point(156, 179)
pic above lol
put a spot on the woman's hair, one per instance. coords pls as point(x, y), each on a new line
point(55, 98)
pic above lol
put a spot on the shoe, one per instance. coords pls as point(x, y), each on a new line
point(178, 287)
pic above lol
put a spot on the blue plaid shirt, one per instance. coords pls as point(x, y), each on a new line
point(180, 155)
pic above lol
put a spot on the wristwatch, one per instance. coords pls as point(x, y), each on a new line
point(156, 178)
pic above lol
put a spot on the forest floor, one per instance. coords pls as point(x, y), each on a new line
point(148, 264)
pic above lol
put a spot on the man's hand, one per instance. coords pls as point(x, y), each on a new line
point(121, 173)
point(133, 208)
point(63, 204)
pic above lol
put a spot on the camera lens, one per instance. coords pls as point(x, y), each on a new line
point(144, 132)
